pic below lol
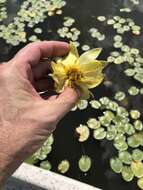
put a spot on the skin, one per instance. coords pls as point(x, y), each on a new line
point(27, 119)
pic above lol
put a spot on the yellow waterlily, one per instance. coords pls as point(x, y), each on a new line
point(83, 72)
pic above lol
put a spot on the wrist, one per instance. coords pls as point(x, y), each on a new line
point(7, 166)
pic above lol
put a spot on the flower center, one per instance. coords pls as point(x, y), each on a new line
point(74, 74)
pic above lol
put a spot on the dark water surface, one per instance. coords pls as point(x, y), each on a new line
point(66, 145)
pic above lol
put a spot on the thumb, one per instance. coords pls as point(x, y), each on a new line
point(55, 108)
point(66, 100)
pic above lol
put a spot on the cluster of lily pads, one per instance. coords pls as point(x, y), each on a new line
point(121, 24)
point(42, 153)
point(68, 31)
point(118, 125)
point(84, 164)
point(29, 15)
point(3, 12)
point(124, 129)
point(123, 53)
point(94, 32)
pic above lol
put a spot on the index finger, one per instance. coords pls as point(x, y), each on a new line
point(33, 52)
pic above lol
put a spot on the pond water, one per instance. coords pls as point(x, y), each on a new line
point(66, 144)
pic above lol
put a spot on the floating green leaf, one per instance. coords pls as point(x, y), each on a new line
point(140, 183)
point(95, 104)
point(127, 174)
point(45, 165)
point(99, 133)
point(83, 132)
point(125, 157)
point(122, 112)
point(133, 91)
point(129, 72)
point(82, 104)
point(137, 155)
point(85, 163)
point(93, 123)
point(111, 132)
point(120, 96)
point(129, 129)
point(109, 115)
point(116, 165)
point(121, 145)
point(105, 121)
point(104, 100)
point(137, 168)
point(133, 141)
point(63, 166)
point(135, 114)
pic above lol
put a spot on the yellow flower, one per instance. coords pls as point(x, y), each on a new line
point(83, 72)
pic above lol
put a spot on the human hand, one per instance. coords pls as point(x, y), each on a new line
point(26, 119)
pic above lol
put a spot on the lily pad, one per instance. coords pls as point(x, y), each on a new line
point(137, 168)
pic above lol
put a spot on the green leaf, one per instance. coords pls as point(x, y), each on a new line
point(63, 166)
point(99, 133)
point(137, 155)
point(84, 163)
point(45, 165)
point(137, 168)
point(116, 165)
point(140, 183)
point(127, 174)
point(125, 157)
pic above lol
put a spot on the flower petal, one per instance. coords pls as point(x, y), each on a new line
point(92, 73)
point(92, 68)
point(58, 68)
point(59, 85)
point(58, 75)
point(92, 82)
point(90, 55)
point(59, 81)
point(72, 57)
point(85, 93)
point(74, 50)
